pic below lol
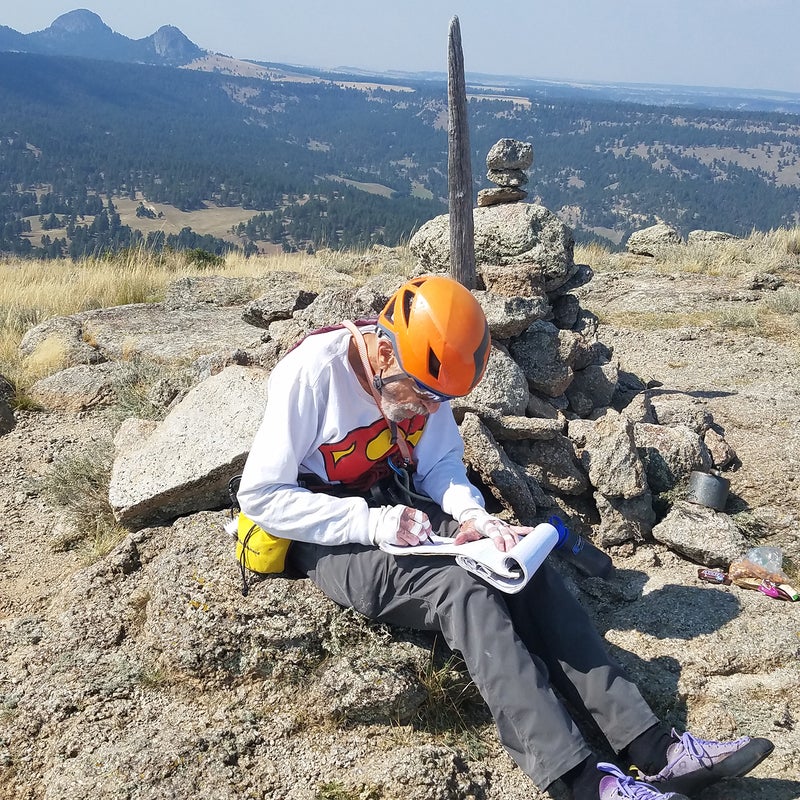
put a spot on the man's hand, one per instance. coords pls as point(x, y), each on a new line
point(401, 525)
point(476, 523)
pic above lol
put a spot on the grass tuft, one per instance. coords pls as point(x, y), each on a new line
point(785, 301)
point(78, 484)
point(453, 703)
point(154, 676)
point(738, 319)
point(598, 257)
point(141, 388)
point(333, 790)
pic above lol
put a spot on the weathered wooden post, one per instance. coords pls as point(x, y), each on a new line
point(459, 165)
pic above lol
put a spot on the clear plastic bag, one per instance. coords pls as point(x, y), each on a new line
point(757, 564)
point(771, 558)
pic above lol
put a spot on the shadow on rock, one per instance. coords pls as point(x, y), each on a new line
point(671, 612)
point(706, 395)
point(679, 612)
point(754, 789)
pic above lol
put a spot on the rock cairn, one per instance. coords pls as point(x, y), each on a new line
point(506, 163)
point(555, 426)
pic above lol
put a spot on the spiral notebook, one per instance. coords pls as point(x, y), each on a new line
point(507, 570)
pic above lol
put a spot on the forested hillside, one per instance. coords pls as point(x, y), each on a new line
point(320, 164)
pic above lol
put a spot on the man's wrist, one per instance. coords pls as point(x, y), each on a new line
point(472, 513)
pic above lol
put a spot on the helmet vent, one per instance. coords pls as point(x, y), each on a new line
point(434, 365)
point(408, 299)
point(481, 354)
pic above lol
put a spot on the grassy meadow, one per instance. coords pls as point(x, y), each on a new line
point(32, 291)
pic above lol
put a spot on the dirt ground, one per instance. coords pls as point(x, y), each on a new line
point(31, 569)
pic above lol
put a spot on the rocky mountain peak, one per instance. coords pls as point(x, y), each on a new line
point(79, 21)
point(83, 33)
point(171, 44)
point(11, 39)
point(132, 661)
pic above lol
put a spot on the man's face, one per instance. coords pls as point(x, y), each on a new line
point(400, 401)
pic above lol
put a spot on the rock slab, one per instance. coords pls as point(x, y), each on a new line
point(186, 463)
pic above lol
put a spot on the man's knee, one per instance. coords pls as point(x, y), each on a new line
point(464, 596)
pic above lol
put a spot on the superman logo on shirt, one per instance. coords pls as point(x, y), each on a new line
point(360, 457)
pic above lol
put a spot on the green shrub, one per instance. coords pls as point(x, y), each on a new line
point(202, 259)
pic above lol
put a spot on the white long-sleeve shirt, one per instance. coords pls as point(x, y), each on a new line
point(320, 420)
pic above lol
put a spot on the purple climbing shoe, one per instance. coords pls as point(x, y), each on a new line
point(693, 764)
point(619, 786)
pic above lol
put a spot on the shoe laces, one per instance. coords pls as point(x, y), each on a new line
point(630, 787)
point(696, 747)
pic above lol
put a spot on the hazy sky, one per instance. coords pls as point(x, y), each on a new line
point(749, 44)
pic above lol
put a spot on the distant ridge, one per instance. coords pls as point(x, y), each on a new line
point(651, 94)
point(83, 33)
point(11, 39)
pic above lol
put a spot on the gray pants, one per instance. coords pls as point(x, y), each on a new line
point(514, 646)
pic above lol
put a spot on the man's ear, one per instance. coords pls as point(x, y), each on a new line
point(385, 354)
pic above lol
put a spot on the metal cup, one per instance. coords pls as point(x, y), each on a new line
point(708, 490)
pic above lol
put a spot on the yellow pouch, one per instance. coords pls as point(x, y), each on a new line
point(258, 550)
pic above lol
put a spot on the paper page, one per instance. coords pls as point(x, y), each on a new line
point(519, 563)
point(435, 546)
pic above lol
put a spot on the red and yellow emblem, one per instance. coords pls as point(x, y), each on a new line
point(359, 459)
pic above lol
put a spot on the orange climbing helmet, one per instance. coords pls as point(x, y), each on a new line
point(439, 334)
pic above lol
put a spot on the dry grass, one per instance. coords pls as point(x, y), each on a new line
point(133, 389)
point(32, 291)
point(450, 691)
point(371, 188)
point(658, 320)
point(453, 712)
point(78, 484)
point(785, 301)
point(598, 257)
point(776, 251)
point(760, 320)
point(334, 790)
point(775, 315)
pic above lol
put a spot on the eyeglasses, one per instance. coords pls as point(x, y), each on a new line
point(423, 392)
point(420, 389)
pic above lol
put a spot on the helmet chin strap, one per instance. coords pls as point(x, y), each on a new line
point(378, 381)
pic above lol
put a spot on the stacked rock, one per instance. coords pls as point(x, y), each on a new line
point(506, 163)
